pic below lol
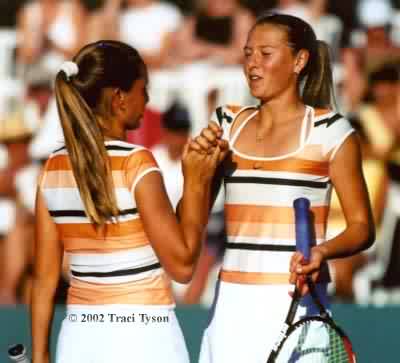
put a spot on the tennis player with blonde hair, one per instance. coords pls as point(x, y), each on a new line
point(102, 201)
point(291, 145)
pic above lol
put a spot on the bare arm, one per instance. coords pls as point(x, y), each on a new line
point(348, 180)
point(46, 273)
point(177, 244)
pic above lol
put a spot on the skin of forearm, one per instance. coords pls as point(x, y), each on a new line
point(42, 309)
point(193, 211)
point(354, 239)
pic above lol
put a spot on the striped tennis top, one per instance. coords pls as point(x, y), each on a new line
point(116, 265)
point(259, 195)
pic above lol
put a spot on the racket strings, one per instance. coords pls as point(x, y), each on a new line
point(338, 352)
point(314, 342)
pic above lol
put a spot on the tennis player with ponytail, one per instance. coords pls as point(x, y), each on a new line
point(102, 201)
point(292, 145)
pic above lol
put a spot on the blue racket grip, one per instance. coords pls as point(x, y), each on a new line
point(303, 227)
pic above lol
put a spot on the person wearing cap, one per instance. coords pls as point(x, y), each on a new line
point(176, 127)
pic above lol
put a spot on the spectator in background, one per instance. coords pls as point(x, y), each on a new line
point(148, 25)
point(292, 7)
point(15, 136)
point(18, 241)
point(7, 220)
point(353, 85)
point(103, 20)
point(327, 27)
point(50, 31)
point(373, 39)
point(216, 30)
point(378, 115)
point(208, 52)
point(175, 133)
point(379, 281)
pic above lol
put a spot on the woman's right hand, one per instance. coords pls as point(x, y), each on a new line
point(199, 167)
point(208, 140)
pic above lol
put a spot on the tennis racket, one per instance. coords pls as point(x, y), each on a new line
point(312, 339)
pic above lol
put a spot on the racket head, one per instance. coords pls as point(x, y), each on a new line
point(314, 339)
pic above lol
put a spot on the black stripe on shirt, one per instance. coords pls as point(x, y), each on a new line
point(108, 147)
point(329, 121)
point(82, 213)
point(126, 272)
point(275, 181)
point(259, 247)
point(118, 147)
point(59, 149)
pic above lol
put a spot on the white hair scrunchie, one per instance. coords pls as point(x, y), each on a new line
point(70, 69)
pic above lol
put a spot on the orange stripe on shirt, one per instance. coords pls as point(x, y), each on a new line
point(66, 179)
point(268, 278)
point(273, 231)
point(270, 214)
point(321, 111)
point(130, 241)
point(294, 165)
point(150, 291)
point(87, 230)
point(254, 277)
point(62, 162)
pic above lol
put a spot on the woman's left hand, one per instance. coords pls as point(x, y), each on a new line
point(299, 269)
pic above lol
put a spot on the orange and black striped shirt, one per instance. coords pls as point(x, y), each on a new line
point(116, 265)
point(259, 195)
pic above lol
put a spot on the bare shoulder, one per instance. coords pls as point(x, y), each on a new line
point(322, 111)
point(241, 116)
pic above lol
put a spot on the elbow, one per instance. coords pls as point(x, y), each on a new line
point(371, 239)
point(368, 235)
point(183, 274)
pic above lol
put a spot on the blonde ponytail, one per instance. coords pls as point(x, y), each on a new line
point(85, 144)
point(318, 88)
point(81, 102)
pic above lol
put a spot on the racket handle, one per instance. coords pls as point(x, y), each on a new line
point(303, 227)
point(17, 354)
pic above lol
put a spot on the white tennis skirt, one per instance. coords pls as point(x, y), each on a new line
point(246, 322)
point(120, 333)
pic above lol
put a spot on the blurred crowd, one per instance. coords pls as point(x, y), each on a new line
point(194, 51)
